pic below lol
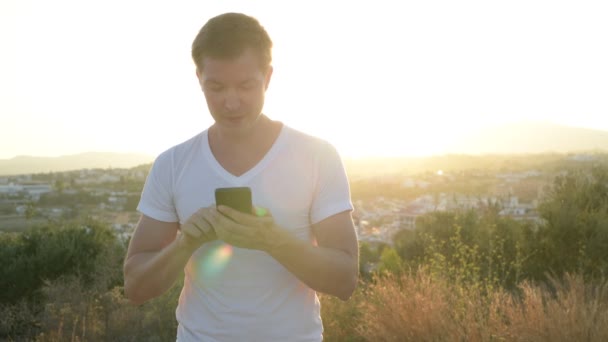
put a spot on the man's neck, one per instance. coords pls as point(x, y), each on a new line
point(262, 130)
point(238, 153)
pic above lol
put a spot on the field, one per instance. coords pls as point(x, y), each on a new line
point(18, 223)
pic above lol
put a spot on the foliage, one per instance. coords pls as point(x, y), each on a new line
point(78, 314)
point(575, 236)
point(463, 275)
point(60, 199)
point(485, 246)
point(390, 262)
point(419, 306)
point(369, 258)
point(341, 318)
point(48, 252)
point(86, 250)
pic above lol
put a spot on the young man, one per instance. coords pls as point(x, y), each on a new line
point(248, 276)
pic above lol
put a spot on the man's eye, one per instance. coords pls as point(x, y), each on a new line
point(247, 86)
point(215, 88)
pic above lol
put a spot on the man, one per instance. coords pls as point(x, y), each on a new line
point(248, 276)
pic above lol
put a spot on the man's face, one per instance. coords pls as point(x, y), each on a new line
point(234, 89)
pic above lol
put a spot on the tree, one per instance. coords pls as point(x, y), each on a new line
point(30, 210)
point(49, 252)
point(574, 237)
point(390, 262)
point(59, 185)
point(497, 244)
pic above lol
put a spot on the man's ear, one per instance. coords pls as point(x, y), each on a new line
point(199, 77)
point(268, 77)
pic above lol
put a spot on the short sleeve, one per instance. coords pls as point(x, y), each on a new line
point(332, 192)
point(157, 196)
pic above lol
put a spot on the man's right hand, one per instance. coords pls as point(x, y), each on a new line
point(197, 230)
point(157, 253)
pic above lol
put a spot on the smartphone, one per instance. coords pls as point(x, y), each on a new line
point(238, 198)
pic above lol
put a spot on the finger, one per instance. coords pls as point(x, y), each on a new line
point(191, 230)
point(208, 229)
point(215, 219)
point(197, 226)
point(204, 226)
point(230, 231)
point(237, 216)
point(220, 225)
point(229, 212)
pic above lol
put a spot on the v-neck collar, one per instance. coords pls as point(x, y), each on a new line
point(252, 172)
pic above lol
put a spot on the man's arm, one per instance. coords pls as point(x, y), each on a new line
point(330, 267)
point(157, 255)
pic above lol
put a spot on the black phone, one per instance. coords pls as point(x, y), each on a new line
point(238, 198)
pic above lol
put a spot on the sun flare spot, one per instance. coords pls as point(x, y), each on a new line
point(216, 259)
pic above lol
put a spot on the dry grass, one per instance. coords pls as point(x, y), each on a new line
point(421, 307)
point(73, 314)
point(573, 311)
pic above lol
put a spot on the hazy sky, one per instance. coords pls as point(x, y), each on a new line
point(373, 77)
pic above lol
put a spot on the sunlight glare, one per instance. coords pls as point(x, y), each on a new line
point(411, 81)
point(216, 259)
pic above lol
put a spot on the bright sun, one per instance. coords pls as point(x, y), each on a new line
point(380, 81)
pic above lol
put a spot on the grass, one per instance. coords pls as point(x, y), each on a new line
point(415, 306)
point(422, 307)
point(18, 223)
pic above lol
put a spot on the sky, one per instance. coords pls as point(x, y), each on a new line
point(375, 78)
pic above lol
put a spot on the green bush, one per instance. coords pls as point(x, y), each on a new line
point(84, 250)
point(575, 235)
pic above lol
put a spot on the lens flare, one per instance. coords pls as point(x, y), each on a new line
point(260, 212)
point(216, 259)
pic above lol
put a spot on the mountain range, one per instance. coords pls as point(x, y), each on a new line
point(531, 137)
point(89, 160)
point(522, 138)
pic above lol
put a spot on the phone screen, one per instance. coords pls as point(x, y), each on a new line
point(238, 198)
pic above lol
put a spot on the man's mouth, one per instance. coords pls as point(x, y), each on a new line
point(234, 119)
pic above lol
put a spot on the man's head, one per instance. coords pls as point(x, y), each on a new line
point(232, 56)
point(227, 36)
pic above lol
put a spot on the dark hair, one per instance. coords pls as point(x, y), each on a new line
point(228, 35)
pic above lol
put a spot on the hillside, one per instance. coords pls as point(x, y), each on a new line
point(498, 142)
point(90, 160)
point(524, 138)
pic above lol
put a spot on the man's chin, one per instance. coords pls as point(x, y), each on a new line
point(236, 126)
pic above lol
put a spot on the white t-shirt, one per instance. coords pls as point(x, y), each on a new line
point(236, 294)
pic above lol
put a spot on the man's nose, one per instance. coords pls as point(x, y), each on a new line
point(232, 100)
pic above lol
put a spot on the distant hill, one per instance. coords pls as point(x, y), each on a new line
point(90, 160)
point(527, 138)
point(530, 143)
point(520, 139)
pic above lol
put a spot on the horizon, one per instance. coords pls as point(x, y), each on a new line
point(355, 167)
point(463, 151)
point(377, 81)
